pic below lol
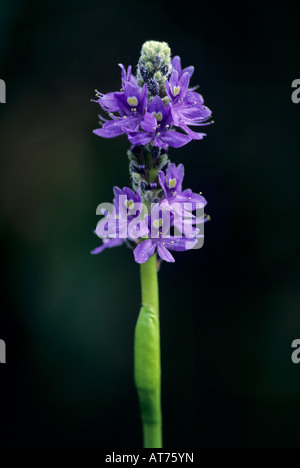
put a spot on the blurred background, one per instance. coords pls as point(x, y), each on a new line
point(229, 312)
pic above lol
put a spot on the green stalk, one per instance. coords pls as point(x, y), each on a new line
point(147, 356)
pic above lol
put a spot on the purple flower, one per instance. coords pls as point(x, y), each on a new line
point(159, 242)
point(181, 203)
point(154, 121)
point(156, 127)
point(125, 221)
point(171, 183)
point(186, 105)
point(130, 104)
point(130, 200)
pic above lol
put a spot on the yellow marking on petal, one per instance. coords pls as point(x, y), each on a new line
point(129, 204)
point(132, 101)
point(172, 242)
point(157, 223)
point(158, 116)
point(172, 183)
point(176, 90)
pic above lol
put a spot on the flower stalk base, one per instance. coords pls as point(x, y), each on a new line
point(147, 370)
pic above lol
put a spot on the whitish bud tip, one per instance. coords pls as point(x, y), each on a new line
point(154, 67)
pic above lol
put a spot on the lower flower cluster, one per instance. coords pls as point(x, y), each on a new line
point(174, 222)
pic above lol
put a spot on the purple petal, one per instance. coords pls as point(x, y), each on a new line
point(184, 84)
point(143, 99)
point(173, 81)
point(149, 122)
point(168, 90)
point(194, 114)
point(176, 63)
point(117, 192)
point(110, 129)
point(131, 195)
point(107, 244)
point(158, 142)
point(124, 75)
point(140, 138)
point(164, 253)
point(144, 251)
point(176, 173)
point(180, 244)
point(162, 181)
point(175, 139)
point(191, 133)
point(193, 197)
point(156, 105)
point(194, 97)
point(189, 70)
point(109, 102)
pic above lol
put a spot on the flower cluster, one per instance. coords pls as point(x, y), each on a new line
point(155, 109)
point(130, 222)
point(150, 109)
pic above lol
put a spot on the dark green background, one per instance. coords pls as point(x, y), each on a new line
point(230, 311)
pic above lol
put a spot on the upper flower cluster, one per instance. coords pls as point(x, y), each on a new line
point(157, 107)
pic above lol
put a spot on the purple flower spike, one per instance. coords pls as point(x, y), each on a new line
point(155, 109)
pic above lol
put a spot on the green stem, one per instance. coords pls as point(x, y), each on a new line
point(147, 356)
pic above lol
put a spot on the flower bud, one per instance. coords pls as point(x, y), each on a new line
point(154, 67)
